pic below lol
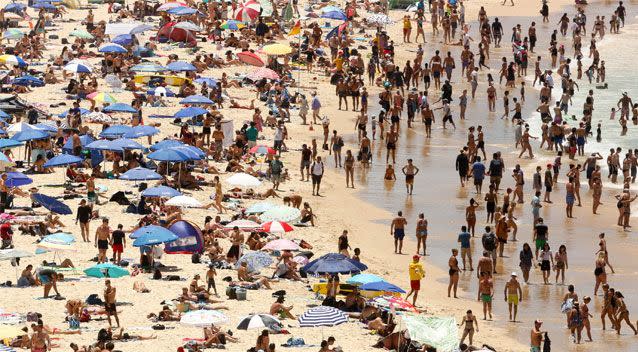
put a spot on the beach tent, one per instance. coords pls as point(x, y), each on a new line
point(176, 34)
point(189, 238)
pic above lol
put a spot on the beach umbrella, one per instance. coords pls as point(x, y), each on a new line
point(322, 316)
point(106, 270)
point(13, 33)
point(17, 179)
point(243, 180)
point(44, 5)
point(334, 263)
point(260, 207)
point(47, 127)
point(247, 11)
point(161, 92)
point(167, 143)
point(232, 25)
point(259, 321)
point(381, 286)
point(152, 235)
point(45, 246)
point(266, 8)
point(60, 237)
point(197, 99)
point(29, 135)
point(9, 143)
point(141, 131)
point(170, 5)
point(115, 131)
point(78, 68)
point(10, 254)
point(188, 26)
point(181, 66)
point(161, 192)
point(102, 97)
point(81, 33)
point(262, 149)
point(112, 48)
point(184, 202)
point(262, 72)
point(277, 49)
point(103, 144)
point(182, 11)
point(173, 154)
point(28, 80)
point(51, 204)
point(211, 82)
point(361, 279)
point(277, 227)
point(281, 213)
point(83, 111)
point(4, 115)
point(140, 174)
point(120, 107)
point(250, 58)
point(392, 302)
point(12, 60)
point(255, 261)
point(63, 160)
point(11, 331)
point(125, 143)
point(379, 19)
point(334, 13)
point(204, 318)
point(282, 245)
point(148, 67)
point(15, 7)
point(189, 112)
point(242, 225)
point(19, 127)
point(439, 332)
point(123, 39)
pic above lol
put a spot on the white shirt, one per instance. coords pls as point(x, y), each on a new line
point(317, 168)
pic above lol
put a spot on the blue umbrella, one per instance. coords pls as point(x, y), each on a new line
point(167, 143)
point(115, 131)
point(171, 154)
point(60, 237)
point(17, 179)
point(125, 143)
point(362, 279)
point(161, 192)
point(4, 115)
point(83, 111)
point(192, 151)
point(140, 174)
point(9, 143)
point(46, 127)
point(63, 160)
point(182, 11)
point(211, 82)
point(15, 7)
point(112, 48)
point(123, 39)
point(181, 66)
point(335, 15)
point(120, 107)
point(152, 235)
point(28, 80)
point(381, 286)
point(148, 67)
point(196, 99)
point(334, 263)
point(43, 5)
point(30, 134)
point(141, 131)
point(106, 270)
point(190, 111)
point(103, 144)
point(52, 204)
point(85, 139)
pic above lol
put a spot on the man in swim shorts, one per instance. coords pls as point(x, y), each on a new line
point(397, 229)
point(410, 171)
point(513, 295)
point(486, 293)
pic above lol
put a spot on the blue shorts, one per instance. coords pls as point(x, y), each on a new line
point(399, 234)
point(580, 141)
point(44, 279)
point(569, 198)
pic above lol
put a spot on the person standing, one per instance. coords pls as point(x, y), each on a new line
point(84, 217)
point(315, 106)
point(478, 172)
point(109, 303)
point(486, 293)
point(276, 167)
point(422, 233)
point(536, 336)
point(416, 273)
point(316, 171)
point(513, 295)
point(489, 242)
point(118, 242)
point(466, 250)
point(102, 239)
point(409, 171)
point(397, 229)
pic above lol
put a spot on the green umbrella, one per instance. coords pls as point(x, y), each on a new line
point(81, 33)
point(13, 33)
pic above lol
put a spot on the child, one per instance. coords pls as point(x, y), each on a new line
point(613, 114)
point(210, 279)
point(599, 135)
point(374, 128)
point(355, 257)
point(523, 91)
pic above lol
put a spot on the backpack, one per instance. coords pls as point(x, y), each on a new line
point(490, 242)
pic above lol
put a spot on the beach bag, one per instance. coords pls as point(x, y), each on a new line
point(94, 300)
point(195, 258)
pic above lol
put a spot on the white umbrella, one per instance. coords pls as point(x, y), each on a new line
point(9, 254)
point(19, 127)
point(189, 26)
point(78, 68)
point(203, 318)
point(242, 224)
point(243, 180)
point(184, 202)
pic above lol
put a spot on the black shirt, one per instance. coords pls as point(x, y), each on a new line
point(118, 237)
point(84, 213)
point(541, 231)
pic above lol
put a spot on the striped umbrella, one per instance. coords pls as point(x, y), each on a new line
point(12, 60)
point(171, 5)
point(322, 316)
point(277, 227)
point(247, 12)
point(232, 25)
point(102, 97)
point(282, 245)
point(250, 58)
point(78, 68)
point(258, 321)
point(262, 149)
point(262, 72)
point(13, 33)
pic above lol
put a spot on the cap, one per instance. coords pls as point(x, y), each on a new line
point(538, 321)
point(416, 256)
point(514, 273)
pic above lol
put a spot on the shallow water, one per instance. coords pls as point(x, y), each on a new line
point(438, 195)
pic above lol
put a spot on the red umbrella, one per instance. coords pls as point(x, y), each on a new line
point(262, 149)
point(263, 72)
point(247, 12)
point(276, 226)
point(250, 58)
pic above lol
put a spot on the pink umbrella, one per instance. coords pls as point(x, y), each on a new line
point(250, 58)
point(276, 227)
point(262, 72)
point(247, 12)
point(301, 260)
point(282, 245)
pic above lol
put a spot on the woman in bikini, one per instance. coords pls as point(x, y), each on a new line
point(623, 314)
point(560, 259)
point(469, 320)
point(453, 263)
point(470, 216)
point(599, 271)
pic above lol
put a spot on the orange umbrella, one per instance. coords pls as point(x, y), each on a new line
point(250, 58)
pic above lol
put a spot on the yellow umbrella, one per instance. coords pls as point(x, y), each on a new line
point(277, 49)
point(10, 332)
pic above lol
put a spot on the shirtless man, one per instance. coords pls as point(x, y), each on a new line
point(102, 240)
point(513, 295)
point(409, 171)
point(525, 144)
point(624, 104)
point(486, 294)
point(236, 239)
point(485, 265)
point(397, 229)
point(109, 303)
point(91, 195)
point(536, 337)
point(391, 143)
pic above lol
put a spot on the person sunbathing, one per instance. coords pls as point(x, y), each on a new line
point(278, 309)
point(123, 336)
point(214, 336)
point(236, 105)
